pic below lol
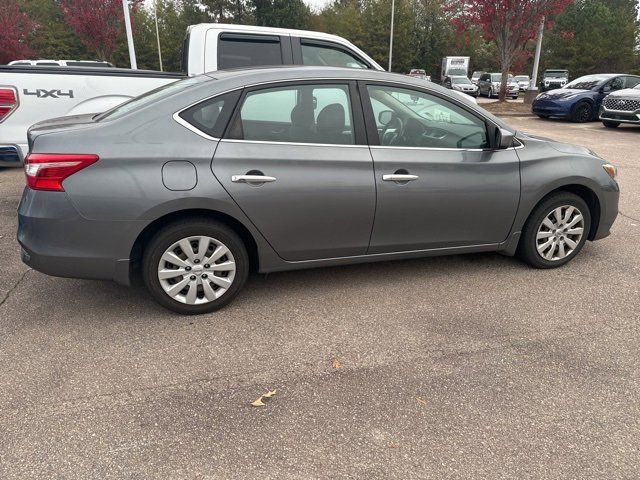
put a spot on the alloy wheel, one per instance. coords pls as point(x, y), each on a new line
point(560, 233)
point(196, 270)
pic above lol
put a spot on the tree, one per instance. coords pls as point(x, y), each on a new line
point(509, 24)
point(282, 13)
point(98, 23)
point(15, 25)
point(594, 36)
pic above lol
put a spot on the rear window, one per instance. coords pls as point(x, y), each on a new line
point(152, 96)
point(211, 116)
point(235, 50)
point(89, 64)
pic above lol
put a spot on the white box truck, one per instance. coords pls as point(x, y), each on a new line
point(455, 66)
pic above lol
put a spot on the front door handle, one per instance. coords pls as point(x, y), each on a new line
point(399, 177)
point(252, 179)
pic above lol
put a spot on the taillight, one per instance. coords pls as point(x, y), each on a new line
point(8, 101)
point(46, 171)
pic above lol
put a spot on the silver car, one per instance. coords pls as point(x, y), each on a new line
point(201, 181)
point(489, 85)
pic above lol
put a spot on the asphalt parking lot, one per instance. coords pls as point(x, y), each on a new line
point(456, 367)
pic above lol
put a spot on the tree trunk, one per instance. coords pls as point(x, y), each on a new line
point(503, 83)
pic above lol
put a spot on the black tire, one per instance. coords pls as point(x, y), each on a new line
point(543, 116)
point(582, 112)
point(527, 248)
point(610, 124)
point(174, 232)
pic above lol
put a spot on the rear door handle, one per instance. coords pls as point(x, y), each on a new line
point(399, 177)
point(252, 179)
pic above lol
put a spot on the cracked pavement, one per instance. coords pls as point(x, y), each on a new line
point(455, 367)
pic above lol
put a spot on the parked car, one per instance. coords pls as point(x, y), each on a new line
point(552, 79)
point(523, 82)
point(419, 73)
point(63, 63)
point(580, 99)
point(461, 84)
point(489, 85)
point(42, 92)
point(272, 169)
point(476, 76)
point(622, 106)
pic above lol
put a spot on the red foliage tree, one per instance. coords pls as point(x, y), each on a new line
point(98, 23)
point(14, 27)
point(509, 24)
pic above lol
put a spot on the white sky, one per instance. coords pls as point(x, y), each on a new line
point(317, 4)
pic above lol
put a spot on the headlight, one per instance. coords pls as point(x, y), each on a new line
point(611, 170)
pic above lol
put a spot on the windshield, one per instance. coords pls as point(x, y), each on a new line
point(152, 96)
point(460, 81)
point(521, 78)
point(587, 82)
point(457, 71)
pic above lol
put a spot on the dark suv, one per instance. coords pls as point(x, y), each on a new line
point(552, 79)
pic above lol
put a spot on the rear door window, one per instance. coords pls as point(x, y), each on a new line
point(329, 55)
point(298, 114)
point(240, 50)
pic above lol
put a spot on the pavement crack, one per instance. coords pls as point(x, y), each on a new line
point(627, 216)
point(15, 286)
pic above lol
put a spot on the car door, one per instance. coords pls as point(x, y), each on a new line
point(439, 183)
point(295, 160)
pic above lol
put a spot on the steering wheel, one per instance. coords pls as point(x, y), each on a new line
point(396, 123)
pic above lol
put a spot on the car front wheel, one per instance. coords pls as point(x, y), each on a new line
point(556, 231)
point(195, 266)
point(582, 112)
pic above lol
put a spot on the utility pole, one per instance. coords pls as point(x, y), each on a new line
point(127, 26)
point(532, 92)
point(155, 14)
point(393, 8)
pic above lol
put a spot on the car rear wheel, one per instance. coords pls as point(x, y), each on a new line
point(609, 124)
point(195, 266)
point(543, 116)
point(582, 112)
point(556, 231)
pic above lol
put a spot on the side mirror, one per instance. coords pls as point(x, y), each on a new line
point(385, 116)
point(606, 89)
point(504, 138)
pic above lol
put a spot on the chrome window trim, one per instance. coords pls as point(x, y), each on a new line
point(300, 144)
point(187, 125)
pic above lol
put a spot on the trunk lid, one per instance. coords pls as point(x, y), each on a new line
point(53, 125)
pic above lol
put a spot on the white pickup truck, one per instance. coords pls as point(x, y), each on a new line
point(30, 94)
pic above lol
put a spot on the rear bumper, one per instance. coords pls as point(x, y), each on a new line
point(12, 155)
point(57, 241)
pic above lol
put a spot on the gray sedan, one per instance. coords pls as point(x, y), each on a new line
point(200, 181)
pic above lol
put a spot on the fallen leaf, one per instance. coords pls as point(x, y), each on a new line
point(394, 445)
point(258, 402)
point(336, 364)
point(421, 400)
point(270, 394)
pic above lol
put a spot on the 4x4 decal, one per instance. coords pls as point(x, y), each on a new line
point(42, 93)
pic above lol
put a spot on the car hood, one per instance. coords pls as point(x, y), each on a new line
point(559, 146)
point(626, 93)
point(561, 93)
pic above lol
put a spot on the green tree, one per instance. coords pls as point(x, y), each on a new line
point(594, 36)
point(282, 13)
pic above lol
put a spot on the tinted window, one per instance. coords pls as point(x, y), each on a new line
point(151, 96)
point(248, 50)
point(302, 113)
point(417, 119)
point(212, 115)
point(89, 64)
point(329, 56)
point(631, 82)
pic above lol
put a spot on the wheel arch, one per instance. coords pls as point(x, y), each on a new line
point(194, 213)
point(584, 192)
